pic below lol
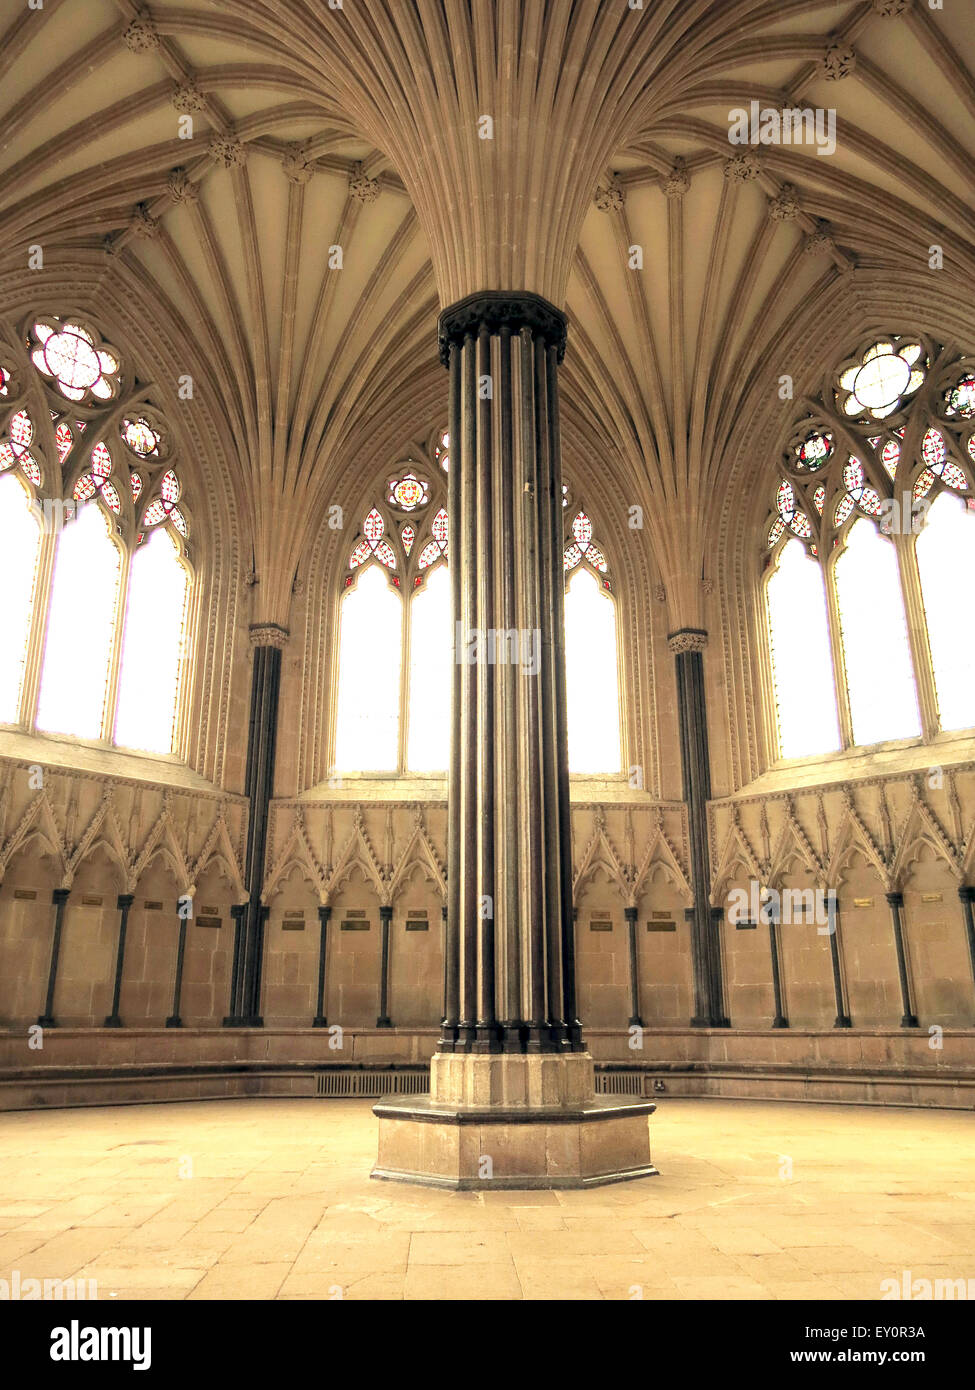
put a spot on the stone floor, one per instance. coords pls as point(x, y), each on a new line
point(272, 1199)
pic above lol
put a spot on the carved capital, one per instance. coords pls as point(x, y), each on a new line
point(743, 167)
point(678, 181)
point(228, 151)
point(296, 165)
point(141, 36)
point(361, 186)
point(784, 207)
point(498, 309)
point(181, 187)
point(187, 98)
point(610, 197)
point(268, 635)
point(688, 639)
point(839, 61)
point(143, 224)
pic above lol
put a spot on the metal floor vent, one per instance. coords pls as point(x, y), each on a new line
point(373, 1084)
point(620, 1083)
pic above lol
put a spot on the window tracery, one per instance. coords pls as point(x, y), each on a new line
point(100, 471)
point(891, 433)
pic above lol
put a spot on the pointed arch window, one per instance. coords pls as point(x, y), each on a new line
point(95, 546)
point(395, 640)
point(591, 654)
point(872, 518)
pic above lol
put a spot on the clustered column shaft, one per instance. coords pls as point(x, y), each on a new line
point(509, 957)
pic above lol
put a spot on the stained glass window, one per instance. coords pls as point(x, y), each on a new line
point(946, 562)
point(408, 492)
point(802, 664)
point(592, 676)
point(80, 628)
point(107, 560)
point(20, 540)
point(857, 514)
point(73, 360)
point(152, 651)
point(431, 668)
point(876, 649)
point(370, 664)
point(881, 378)
point(581, 547)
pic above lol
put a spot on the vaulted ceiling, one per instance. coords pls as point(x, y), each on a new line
point(317, 131)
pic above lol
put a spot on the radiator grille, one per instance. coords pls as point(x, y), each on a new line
point(372, 1084)
point(620, 1083)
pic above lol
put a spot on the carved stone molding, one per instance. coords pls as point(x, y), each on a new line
point(820, 240)
point(611, 197)
point(497, 309)
point(784, 207)
point(228, 151)
point(361, 186)
point(143, 224)
point(742, 167)
point(181, 187)
point(839, 61)
point(141, 36)
point(891, 9)
point(678, 181)
point(268, 635)
point(296, 165)
point(187, 98)
point(688, 639)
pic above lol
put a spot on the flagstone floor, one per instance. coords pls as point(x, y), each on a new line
point(272, 1199)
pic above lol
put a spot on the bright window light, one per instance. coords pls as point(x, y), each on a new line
point(876, 648)
point(802, 665)
point(370, 660)
point(431, 674)
point(152, 651)
point(946, 561)
point(80, 627)
point(592, 677)
point(20, 539)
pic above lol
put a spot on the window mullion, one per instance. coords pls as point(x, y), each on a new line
point(917, 632)
point(118, 637)
point(404, 680)
point(37, 639)
point(839, 657)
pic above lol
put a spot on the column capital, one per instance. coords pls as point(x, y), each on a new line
point(967, 893)
point(385, 912)
point(631, 913)
point(268, 635)
point(324, 912)
point(895, 899)
point(60, 895)
point(497, 309)
point(687, 639)
point(124, 900)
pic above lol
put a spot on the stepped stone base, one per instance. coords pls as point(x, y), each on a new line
point(512, 1122)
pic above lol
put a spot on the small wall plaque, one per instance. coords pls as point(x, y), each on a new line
point(417, 924)
point(209, 921)
point(293, 926)
point(91, 900)
point(863, 902)
point(152, 906)
point(746, 926)
point(600, 924)
point(932, 897)
point(355, 925)
point(209, 911)
point(25, 895)
point(294, 920)
point(661, 926)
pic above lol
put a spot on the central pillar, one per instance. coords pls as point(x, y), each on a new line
point(512, 1086)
